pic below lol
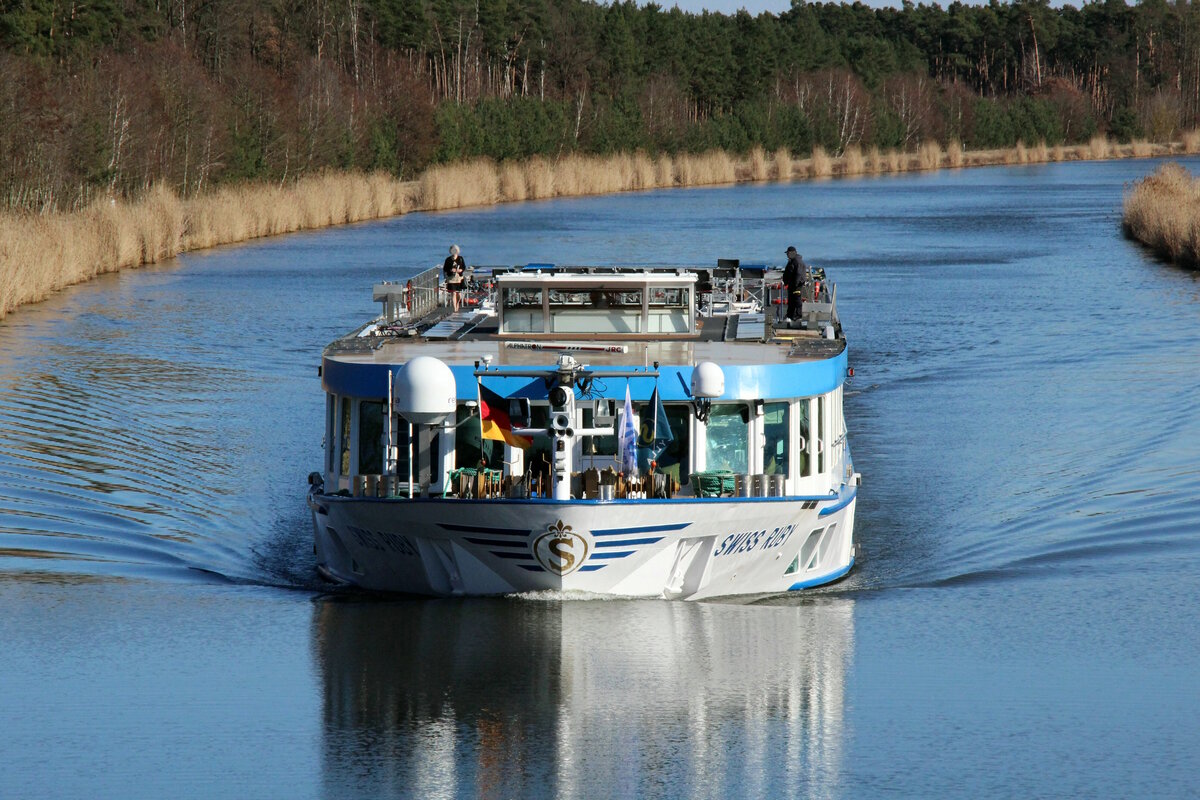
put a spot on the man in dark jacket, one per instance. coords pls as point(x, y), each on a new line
point(795, 276)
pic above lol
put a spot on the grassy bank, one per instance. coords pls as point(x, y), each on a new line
point(1162, 211)
point(40, 254)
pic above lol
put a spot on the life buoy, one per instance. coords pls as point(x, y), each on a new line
point(408, 296)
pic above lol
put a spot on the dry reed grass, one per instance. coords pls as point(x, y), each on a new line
point(471, 183)
point(705, 169)
point(40, 254)
point(853, 162)
point(954, 154)
point(1163, 211)
point(875, 161)
point(664, 172)
point(1099, 148)
point(513, 186)
point(820, 165)
point(758, 165)
point(539, 179)
point(930, 155)
point(1141, 148)
point(784, 169)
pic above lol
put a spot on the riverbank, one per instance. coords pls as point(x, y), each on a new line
point(40, 254)
point(1162, 211)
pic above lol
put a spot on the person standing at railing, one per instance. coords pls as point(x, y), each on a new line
point(795, 278)
point(454, 269)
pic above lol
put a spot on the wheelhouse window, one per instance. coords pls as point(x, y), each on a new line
point(523, 310)
point(728, 438)
point(775, 430)
point(670, 309)
point(596, 311)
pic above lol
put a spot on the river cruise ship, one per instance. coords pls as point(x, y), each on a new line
point(626, 431)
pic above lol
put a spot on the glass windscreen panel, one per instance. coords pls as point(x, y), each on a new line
point(670, 309)
point(776, 429)
point(522, 309)
point(728, 436)
point(596, 311)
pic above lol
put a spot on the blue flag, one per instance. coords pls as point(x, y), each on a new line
point(628, 439)
point(656, 432)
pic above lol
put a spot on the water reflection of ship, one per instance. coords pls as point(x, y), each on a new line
point(576, 699)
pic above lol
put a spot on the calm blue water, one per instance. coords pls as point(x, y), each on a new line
point(1022, 622)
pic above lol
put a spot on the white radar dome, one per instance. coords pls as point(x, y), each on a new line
point(708, 380)
point(423, 391)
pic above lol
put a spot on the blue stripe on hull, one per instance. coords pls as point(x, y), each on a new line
point(838, 506)
point(644, 529)
point(478, 528)
point(832, 576)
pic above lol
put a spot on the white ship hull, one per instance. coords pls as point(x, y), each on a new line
point(686, 549)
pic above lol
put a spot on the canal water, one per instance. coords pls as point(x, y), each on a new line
point(1022, 620)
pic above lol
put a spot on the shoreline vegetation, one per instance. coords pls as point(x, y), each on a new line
point(1162, 212)
point(43, 253)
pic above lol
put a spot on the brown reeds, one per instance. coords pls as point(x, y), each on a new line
point(706, 169)
point(758, 165)
point(929, 156)
point(853, 162)
point(513, 186)
point(954, 154)
point(819, 164)
point(1162, 211)
point(784, 169)
point(875, 161)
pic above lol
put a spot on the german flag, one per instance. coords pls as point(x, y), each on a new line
point(495, 421)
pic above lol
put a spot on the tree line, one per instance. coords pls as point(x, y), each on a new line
point(109, 97)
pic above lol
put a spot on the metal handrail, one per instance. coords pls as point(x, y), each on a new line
point(422, 291)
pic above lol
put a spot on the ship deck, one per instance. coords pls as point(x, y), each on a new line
point(467, 337)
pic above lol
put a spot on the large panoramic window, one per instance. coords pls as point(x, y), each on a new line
point(775, 430)
point(728, 432)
